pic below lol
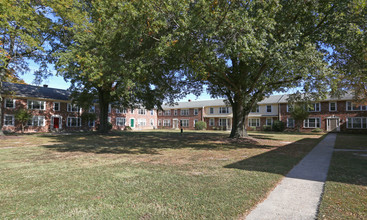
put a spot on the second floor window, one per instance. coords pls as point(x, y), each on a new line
point(9, 103)
point(167, 112)
point(268, 108)
point(332, 106)
point(211, 110)
point(255, 109)
point(56, 106)
point(92, 109)
point(223, 110)
point(34, 104)
point(184, 112)
point(175, 112)
point(141, 111)
point(354, 107)
point(196, 111)
point(73, 108)
point(314, 107)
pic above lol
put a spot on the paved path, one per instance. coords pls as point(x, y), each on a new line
point(298, 194)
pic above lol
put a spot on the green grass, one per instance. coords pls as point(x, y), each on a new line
point(143, 175)
point(345, 195)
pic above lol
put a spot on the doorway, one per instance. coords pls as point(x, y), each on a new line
point(132, 123)
point(333, 124)
point(175, 123)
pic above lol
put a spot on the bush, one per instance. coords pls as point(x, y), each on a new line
point(317, 130)
point(200, 125)
point(251, 128)
point(266, 128)
point(127, 128)
point(214, 128)
point(278, 126)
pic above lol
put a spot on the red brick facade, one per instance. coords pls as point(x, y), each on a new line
point(177, 115)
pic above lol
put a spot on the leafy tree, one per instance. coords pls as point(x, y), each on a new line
point(246, 50)
point(112, 51)
point(23, 116)
point(299, 113)
point(26, 34)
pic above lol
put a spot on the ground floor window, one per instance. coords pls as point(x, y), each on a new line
point(142, 122)
point(222, 122)
point(357, 122)
point(195, 121)
point(185, 123)
point(254, 122)
point(312, 123)
point(8, 120)
point(159, 122)
point(91, 123)
point(269, 121)
point(120, 121)
point(166, 122)
point(211, 122)
point(74, 122)
point(152, 122)
point(37, 121)
point(290, 122)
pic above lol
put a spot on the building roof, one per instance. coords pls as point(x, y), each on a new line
point(273, 99)
point(22, 90)
point(347, 96)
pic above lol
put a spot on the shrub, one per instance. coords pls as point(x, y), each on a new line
point(200, 125)
point(317, 130)
point(278, 126)
point(127, 128)
point(266, 128)
point(214, 128)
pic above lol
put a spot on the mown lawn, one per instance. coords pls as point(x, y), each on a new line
point(143, 175)
point(345, 195)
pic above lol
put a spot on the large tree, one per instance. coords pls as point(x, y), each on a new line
point(113, 52)
point(246, 50)
point(26, 35)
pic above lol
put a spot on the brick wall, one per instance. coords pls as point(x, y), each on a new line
point(191, 117)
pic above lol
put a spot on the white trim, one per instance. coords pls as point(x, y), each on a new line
point(213, 120)
point(5, 102)
point(328, 123)
point(362, 119)
point(38, 116)
point(169, 122)
point(288, 123)
point(32, 103)
point(336, 107)
point(78, 118)
point(13, 120)
point(351, 107)
point(197, 111)
point(314, 105)
point(53, 106)
point(119, 118)
point(133, 126)
point(308, 123)
point(186, 110)
point(71, 106)
point(271, 108)
point(52, 121)
point(210, 108)
point(266, 121)
point(257, 122)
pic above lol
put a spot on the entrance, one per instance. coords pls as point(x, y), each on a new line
point(175, 123)
point(132, 122)
point(56, 122)
point(333, 124)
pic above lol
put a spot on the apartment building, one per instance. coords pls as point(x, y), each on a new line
point(52, 110)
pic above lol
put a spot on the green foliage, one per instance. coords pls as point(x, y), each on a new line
point(86, 116)
point(200, 125)
point(299, 113)
point(127, 128)
point(278, 126)
point(23, 116)
point(266, 128)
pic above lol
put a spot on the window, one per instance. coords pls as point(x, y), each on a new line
point(8, 120)
point(9, 103)
point(312, 123)
point(152, 122)
point(269, 121)
point(314, 107)
point(37, 121)
point(195, 121)
point(56, 106)
point(290, 122)
point(354, 107)
point(159, 122)
point(74, 122)
point(132, 111)
point(289, 108)
point(159, 112)
point(33, 104)
point(332, 106)
point(223, 110)
point(254, 122)
point(184, 112)
point(211, 122)
point(92, 109)
point(121, 110)
point(91, 123)
point(109, 119)
point(185, 123)
point(167, 112)
point(120, 121)
point(175, 112)
point(141, 111)
point(73, 108)
point(268, 108)
point(222, 122)
point(357, 122)
point(151, 112)
point(196, 111)
point(255, 109)
point(142, 122)
point(211, 110)
point(166, 122)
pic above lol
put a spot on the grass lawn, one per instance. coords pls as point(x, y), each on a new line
point(143, 175)
point(345, 195)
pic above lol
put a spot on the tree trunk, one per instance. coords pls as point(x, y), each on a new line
point(103, 111)
point(1, 108)
point(239, 120)
point(22, 128)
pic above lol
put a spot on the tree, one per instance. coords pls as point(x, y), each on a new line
point(23, 116)
point(112, 52)
point(299, 113)
point(26, 34)
point(246, 50)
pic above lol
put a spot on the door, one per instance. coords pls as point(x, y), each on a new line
point(132, 122)
point(175, 123)
point(333, 124)
point(56, 122)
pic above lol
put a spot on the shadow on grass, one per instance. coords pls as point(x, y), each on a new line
point(146, 142)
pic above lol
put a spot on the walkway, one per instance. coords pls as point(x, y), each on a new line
point(298, 194)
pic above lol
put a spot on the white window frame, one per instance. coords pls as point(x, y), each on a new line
point(314, 107)
point(257, 122)
point(159, 112)
point(351, 119)
point(92, 109)
point(196, 111)
point(70, 107)
point(39, 118)
point(289, 108)
point(109, 120)
point(109, 108)
point(336, 107)
point(175, 112)
point(166, 122)
point(78, 124)
point(307, 121)
point(185, 123)
point(151, 112)
point(211, 110)
point(224, 110)
point(151, 122)
point(271, 121)
point(352, 105)
point(119, 121)
point(184, 112)
point(132, 111)
point(211, 121)
point(121, 110)
point(93, 123)
point(167, 112)
point(55, 108)
point(267, 108)
point(257, 109)
point(141, 111)
point(220, 122)
point(6, 102)
point(195, 121)
point(290, 119)
point(42, 103)
point(160, 122)
point(12, 121)
point(142, 122)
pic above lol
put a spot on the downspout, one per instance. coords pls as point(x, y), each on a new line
point(279, 115)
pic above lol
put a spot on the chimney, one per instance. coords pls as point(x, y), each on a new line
point(45, 86)
point(189, 100)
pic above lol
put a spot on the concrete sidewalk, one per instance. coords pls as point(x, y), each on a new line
point(298, 195)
